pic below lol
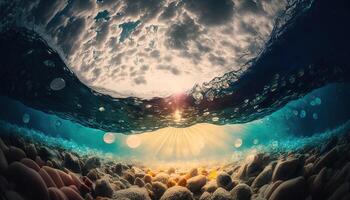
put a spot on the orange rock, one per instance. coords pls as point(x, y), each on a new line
point(71, 193)
point(66, 178)
point(171, 183)
point(28, 182)
point(56, 194)
point(30, 163)
point(54, 175)
point(147, 178)
point(47, 178)
point(182, 182)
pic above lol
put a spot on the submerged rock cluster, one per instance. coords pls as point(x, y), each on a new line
point(32, 171)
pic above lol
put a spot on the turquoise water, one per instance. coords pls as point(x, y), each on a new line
point(307, 121)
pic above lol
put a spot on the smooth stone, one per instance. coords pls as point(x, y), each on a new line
point(210, 187)
point(255, 166)
point(158, 189)
point(177, 193)
point(272, 188)
point(263, 178)
point(66, 178)
point(338, 178)
point(15, 154)
point(196, 183)
point(129, 176)
point(54, 175)
point(39, 161)
point(241, 192)
point(87, 181)
point(24, 177)
point(161, 177)
point(4, 184)
point(182, 182)
point(93, 175)
point(3, 146)
point(134, 193)
point(118, 185)
point(224, 180)
point(242, 171)
point(3, 162)
point(286, 169)
point(76, 180)
point(318, 184)
point(193, 172)
point(290, 190)
point(56, 194)
point(71, 194)
point(31, 151)
point(327, 160)
point(47, 153)
point(147, 178)
point(205, 196)
point(103, 188)
point(171, 170)
point(91, 163)
point(72, 162)
point(47, 178)
point(12, 195)
point(139, 182)
point(221, 194)
point(340, 192)
point(30, 163)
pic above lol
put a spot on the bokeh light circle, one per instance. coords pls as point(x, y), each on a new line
point(109, 138)
point(133, 141)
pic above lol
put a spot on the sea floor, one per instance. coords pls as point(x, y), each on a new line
point(37, 170)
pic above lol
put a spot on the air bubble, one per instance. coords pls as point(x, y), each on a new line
point(215, 119)
point(315, 116)
point(238, 143)
point(26, 118)
point(57, 84)
point(101, 109)
point(302, 114)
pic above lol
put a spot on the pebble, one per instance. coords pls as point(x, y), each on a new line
point(56, 194)
point(139, 182)
point(71, 194)
point(161, 177)
point(210, 187)
point(47, 178)
point(196, 183)
point(103, 188)
point(134, 193)
point(205, 196)
point(3, 162)
point(93, 175)
point(30, 163)
point(91, 163)
point(290, 190)
point(31, 151)
point(15, 154)
point(287, 169)
point(224, 180)
point(177, 193)
point(263, 178)
point(221, 194)
point(327, 160)
point(158, 189)
point(241, 192)
point(54, 175)
point(28, 181)
point(72, 162)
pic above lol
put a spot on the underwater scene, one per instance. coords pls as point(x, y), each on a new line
point(174, 100)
